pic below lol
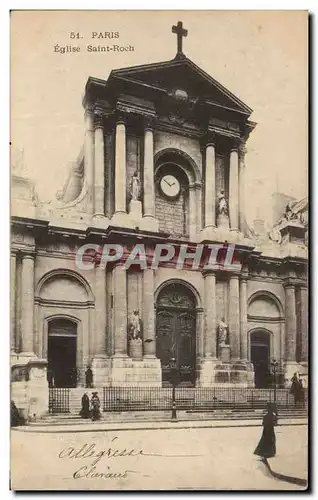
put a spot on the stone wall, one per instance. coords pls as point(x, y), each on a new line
point(163, 140)
point(173, 215)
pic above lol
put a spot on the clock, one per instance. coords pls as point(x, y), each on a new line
point(170, 186)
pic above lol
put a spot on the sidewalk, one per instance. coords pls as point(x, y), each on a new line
point(104, 425)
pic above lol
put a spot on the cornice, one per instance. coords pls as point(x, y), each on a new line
point(292, 282)
point(134, 109)
point(265, 279)
point(175, 129)
point(55, 254)
point(265, 319)
point(63, 303)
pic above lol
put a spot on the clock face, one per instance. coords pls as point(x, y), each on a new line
point(170, 186)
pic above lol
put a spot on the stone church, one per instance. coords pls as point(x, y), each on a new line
point(163, 161)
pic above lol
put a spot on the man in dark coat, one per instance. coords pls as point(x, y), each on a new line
point(89, 377)
point(266, 448)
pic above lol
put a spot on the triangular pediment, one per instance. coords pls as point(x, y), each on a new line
point(182, 73)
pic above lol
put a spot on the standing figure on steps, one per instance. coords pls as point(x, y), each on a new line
point(89, 377)
point(95, 406)
point(134, 187)
point(85, 413)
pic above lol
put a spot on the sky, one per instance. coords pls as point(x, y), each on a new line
point(260, 56)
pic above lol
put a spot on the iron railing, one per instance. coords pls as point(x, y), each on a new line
point(59, 400)
point(192, 399)
point(204, 399)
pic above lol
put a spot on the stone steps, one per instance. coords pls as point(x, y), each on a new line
point(148, 416)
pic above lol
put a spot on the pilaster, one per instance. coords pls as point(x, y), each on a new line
point(120, 311)
point(120, 166)
point(243, 319)
point(304, 323)
point(209, 185)
point(13, 266)
point(210, 315)
point(99, 177)
point(234, 316)
point(149, 334)
point(27, 305)
point(234, 187)
point(89, 155)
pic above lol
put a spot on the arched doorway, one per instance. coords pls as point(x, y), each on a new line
point(260, 356)
point(176, 332)
point(62, 340)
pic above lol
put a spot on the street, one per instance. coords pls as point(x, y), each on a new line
point(219, 458)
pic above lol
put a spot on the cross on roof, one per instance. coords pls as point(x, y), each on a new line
point(180, 32)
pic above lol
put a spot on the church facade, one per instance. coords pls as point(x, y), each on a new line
point(162, 166)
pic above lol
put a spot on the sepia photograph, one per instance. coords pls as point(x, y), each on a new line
point(159, 250)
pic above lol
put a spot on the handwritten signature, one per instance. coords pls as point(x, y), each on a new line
point(91, 451)
point(95, 454)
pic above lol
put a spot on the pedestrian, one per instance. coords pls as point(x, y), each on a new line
point(95, 406)
point(16, 416)
point(295, 388)
point(301, 393)
point(266, 447)
point(50, 377)
point(89, 378)
point(85, 412)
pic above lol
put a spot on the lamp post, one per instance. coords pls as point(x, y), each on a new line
point(174, 376)
point(274, 365)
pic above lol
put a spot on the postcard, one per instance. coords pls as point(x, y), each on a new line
point(159, 249)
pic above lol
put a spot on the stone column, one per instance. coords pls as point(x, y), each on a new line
point(149, 333)
point(304, 323)
point(234, 317)
point(120, 166)
point(210, 315)
point(100, 312)
point(291, 323)
point(234, 188)
point(243, 318)
point(89, 155)
point(198, 204)
point(27, 305)
point(13, 266)
point(200, 334)
point(120, 311)
point(148, 177)
point(242, 193)
point(99, 181)
point(192, 213)
point(210, 184)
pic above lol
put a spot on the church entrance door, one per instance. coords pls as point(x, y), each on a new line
point(176, 333)
point(260, 353)
point(62, 353)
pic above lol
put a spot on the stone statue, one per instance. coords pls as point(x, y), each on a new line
point(222, 206)
point(223, 333)
point(135, 187)
point(289, 212)
point(134, 325)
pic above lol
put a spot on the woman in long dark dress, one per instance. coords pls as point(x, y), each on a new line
point(95, 405)
point(266, 448)
point(85, 412)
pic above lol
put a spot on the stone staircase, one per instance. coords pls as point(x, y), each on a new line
point(165, 416)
